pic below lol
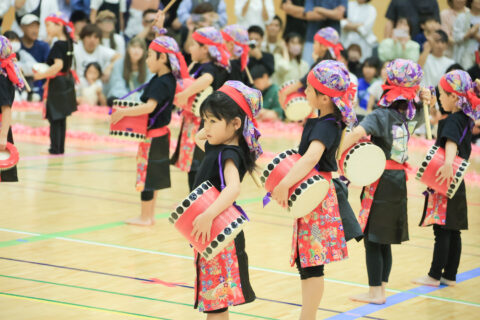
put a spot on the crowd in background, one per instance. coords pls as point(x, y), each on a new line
point(113, 37)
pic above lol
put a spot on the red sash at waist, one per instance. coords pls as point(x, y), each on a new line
point(393, 165)
point(154, 133)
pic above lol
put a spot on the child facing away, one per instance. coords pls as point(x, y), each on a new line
point(272, 110)
point(230, 134)
point(91, 87)
point(167, 64)
point(318, 237)
point(458, 95)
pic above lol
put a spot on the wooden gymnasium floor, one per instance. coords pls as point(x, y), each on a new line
point(66, 254)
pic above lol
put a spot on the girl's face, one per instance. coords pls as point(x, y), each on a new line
point(198, 52)
point(107, 25)
point(53, 29)
point(295, 47)
point(316, 101)
point(448, 101)
point(153, 63)
point(369, 73)
point(92, 74)
point(403, 24)
point(218, 131)
point(135, 52)
point(319, 50)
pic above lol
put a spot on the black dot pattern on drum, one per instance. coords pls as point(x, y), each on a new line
point(231, 229)
point(188, 201)
point(426, 161)
point(271, 166)
point(302, 188)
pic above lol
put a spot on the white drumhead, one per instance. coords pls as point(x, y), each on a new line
point(40, 67)
point(365, 165)
point(4, 155)
point(201, 96)
point(310, 198)
point(298, 110)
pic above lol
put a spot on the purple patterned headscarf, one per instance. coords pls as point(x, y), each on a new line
point(331, 78)
point(460, 83)
point(239, 36)
point(169, 46)
point(403, 79)
point(329, 37)
point(8, 65)
point(213, 39)
point(250, 101)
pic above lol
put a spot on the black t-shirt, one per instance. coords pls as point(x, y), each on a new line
point(219, 74)
point(162, 90)
point(237, 73)
point(7, 91)
point(414, 10)
point(452, 128)
point(209, 169)
point(327, 131)
point(293, 24)
point(267, 61)
point(60, 51)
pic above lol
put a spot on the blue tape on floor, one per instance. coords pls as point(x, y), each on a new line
point(400, 297)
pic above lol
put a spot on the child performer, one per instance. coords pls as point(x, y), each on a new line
point(212, 69)
point(59, 92)
point(10, 77)
point(236, 42)
point(383, 216)
point(167, 64)
point(230, 134)
point(449, 216)
point(326, 46)
point(318, 237)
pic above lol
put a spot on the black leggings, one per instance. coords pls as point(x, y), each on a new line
point(446, 253)
point(58, 129)
point(379, 262)
point(191, 179)
point(217, 311)
point(147, 195)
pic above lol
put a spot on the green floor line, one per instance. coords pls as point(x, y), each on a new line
point(126, 295)
point(81, 306)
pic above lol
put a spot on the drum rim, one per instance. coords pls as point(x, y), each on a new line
point(287, 84)
point(456, 181)
point(266, 172)
point(203, 187)
point(196, 104)
point(310, 182)
point(344, 160)
point(11, 161)
point(125, 103)
point(127, 134)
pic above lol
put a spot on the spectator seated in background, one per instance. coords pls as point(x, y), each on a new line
point(271, 109)
point(203, 15)
point(135, 15)
point(354, 56)
point(129, 72)
point(40, 8)
point(400, 45)
point(375, 90)
point(148, 19)
point(90, 87)
point(428, 26)
point(36, 48)
point(289, 65)
point(186, 7)
point(79, 19)
point(474, 71)
point(118, 7)
point(370, 71)
point(466, 34)
point(89, 50)
point(274, 44)
point(433, 60)
point(106, 22)
point(257, 56)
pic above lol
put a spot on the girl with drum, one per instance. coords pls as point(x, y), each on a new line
point(167, 64)
point(383, 215)
point(458, 95)
point(318, 237)
point(236, 42)
point(59, 92)
point(10, 77)
point(326, 46)
point(212, 68)
point(230, 141)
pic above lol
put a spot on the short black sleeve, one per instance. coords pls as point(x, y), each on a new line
point(374, 123)
point(59, 51)
point(219, 74)
point(234, 155)
point(322, 131)
point(454, 127)
point(162, 90)
point(7, 91)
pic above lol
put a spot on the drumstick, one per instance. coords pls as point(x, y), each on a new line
point(248, 75)
point(190, 67)
point(171, 3)
point(256, 179)
point(426, 115)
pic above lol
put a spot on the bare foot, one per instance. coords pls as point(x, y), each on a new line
point(374, 295)
point(427, 281)
point(446, 282)
point(138, 221)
